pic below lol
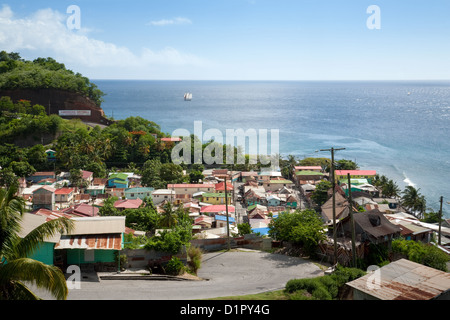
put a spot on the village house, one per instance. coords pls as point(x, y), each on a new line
point(217, 209)
point(87, 176)
point(93, 241)
point(82, 210)
point(204, 222)
point(245, 176)
point(118, 180)
point(39, 176)
point(115, 192)
point(44, 197)
point(160, 195)
point(95, 190)
point(216, 198)
point(64, 197)
point(221, 221)
point(277, 184)
point(139, 192)
point(221, 174)
point(303, 177)
point(51, 154)
point(355, 174)
point(341, 206)
point(308, 168)
point(253, 196)
point(220, 187)
point(370, 226)
point(128, 204)
point(191, 188)
point(401, 280)
point(265, 176)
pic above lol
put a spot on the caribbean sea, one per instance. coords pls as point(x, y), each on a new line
point(401, 129)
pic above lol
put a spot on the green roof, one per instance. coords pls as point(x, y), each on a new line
point(281, 181)
point(308, 173)
point(214, 195)
point(120, 176)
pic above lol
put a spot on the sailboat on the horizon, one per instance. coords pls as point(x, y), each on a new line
point(187, 96)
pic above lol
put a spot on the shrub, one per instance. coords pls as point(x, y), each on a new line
point(174, 267)
point(425, 254)
point(325, 287)
point(195, 258)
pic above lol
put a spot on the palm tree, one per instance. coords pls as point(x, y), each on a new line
point(15, 267)
point(391, 189)
point(168, 216)
point(413, 201)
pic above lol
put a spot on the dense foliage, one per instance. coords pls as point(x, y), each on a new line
point(426, 254)
point(43, 73)
point(325, 287)
point(304, 228)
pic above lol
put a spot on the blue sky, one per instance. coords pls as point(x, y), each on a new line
point(235, 39)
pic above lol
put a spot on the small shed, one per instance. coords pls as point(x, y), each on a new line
point(402, 280)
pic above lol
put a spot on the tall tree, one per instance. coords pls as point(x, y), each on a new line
point(15, 267)
point(413, 201)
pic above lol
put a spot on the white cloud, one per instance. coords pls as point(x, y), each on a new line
point(165, 22)
point(45, 33)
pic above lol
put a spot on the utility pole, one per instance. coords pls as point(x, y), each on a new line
point(349, 188)
point(226, 207)
point(334, 200)
point(440, 220)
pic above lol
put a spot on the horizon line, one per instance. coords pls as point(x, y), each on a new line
point(279, 80)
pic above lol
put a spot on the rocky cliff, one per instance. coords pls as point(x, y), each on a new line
point(64, 103)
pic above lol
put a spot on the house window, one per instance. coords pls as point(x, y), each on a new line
point(132, 194)
point(89, 255)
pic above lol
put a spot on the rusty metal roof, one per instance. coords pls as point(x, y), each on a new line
point(403, 280)
point(92, 241)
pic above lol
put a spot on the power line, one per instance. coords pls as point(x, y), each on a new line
point(332, 150)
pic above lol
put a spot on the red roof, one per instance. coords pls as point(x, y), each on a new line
point(308, 168)
point(356, 172)
point(221, 186)
point(86, 174)
point(50, 214)
point(191, 185)
point(171, 139)
point(216, 208)
point(128, 204)
point(64, 190)
point(82, 210)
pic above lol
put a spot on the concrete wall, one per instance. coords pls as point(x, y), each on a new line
point(249, 241)
point(141, 258)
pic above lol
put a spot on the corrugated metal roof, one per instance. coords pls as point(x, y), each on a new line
point(403, 280)
point(93, 241)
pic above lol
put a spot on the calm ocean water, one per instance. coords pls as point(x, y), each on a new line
point(401, 129)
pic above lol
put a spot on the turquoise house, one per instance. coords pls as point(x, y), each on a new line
point(138, 193)
point(118, 180)
point(94, 240)
point(291, 202)
point(51, 154)
point(273, 201)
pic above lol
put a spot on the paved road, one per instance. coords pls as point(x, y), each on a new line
point(228, 274)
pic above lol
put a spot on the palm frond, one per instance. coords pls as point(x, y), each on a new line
point(43, 276)
point(31, 241)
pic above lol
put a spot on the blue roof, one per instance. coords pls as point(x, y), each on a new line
point(224, 218)
point(262, 231)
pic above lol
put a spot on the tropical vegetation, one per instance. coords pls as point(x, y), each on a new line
point(16, 268)
point(43, 73)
